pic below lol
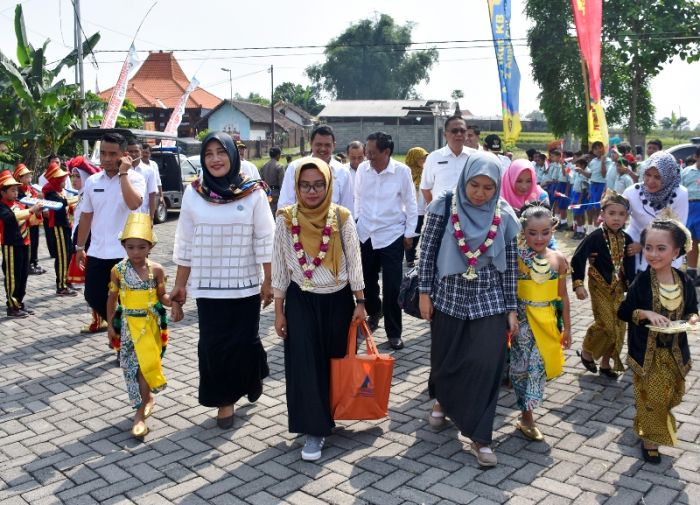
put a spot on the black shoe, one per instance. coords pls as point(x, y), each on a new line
point(225, 423)
point(17, 313)
point(651, 455)
point(589, 364)
point(396, 343)
point(36, 270)
point(609, 373)
point(66, 292)
point(562, 226)
point(27, 310)
point(117, 362)
point(373, 322)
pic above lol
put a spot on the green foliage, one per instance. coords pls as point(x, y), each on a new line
point(37, 111)
point(253, 98)
point(675, 124)
point(200, 136)
point(307, 98)
point(370, 60)
point(639, 38)
point(128, 116)
point(457, 94)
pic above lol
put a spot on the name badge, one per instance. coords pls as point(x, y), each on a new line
point(99, 190)
point(442, 162)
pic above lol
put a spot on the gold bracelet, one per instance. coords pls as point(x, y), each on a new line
point(636, 316)
point(578, 283)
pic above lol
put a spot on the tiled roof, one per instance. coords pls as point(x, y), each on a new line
point(257, 113)
point(160, 81)
point(290, 106)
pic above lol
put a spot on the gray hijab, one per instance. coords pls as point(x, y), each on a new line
point(476, 220)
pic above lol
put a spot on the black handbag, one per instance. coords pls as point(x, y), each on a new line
point(409, 296)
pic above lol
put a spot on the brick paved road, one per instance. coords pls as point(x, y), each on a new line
point(64, 431)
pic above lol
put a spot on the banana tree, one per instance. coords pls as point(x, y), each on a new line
point(42, 109)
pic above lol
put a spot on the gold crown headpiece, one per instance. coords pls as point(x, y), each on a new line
point(139, 225)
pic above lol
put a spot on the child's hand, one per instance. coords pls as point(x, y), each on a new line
point(694, 319)
point(634, 249)
point(581, 293)
point(566, 339)
point(176, 312)
point(655, 319)
point(111, 333)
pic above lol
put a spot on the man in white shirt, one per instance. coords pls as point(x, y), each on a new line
point(442, 167)
point(386, 212)
point(473, 138)
point(356, 155)
point(108, 199)
point(150, 201)
point(247, 167)
point(493, 144)
point(146, 160)
point(322, 146)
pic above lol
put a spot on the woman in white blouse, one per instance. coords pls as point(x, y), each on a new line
point(316, 269)
point(660, 189)
point(223, 250)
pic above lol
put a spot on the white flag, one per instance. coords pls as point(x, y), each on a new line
point(178, 112)
point(119, 93)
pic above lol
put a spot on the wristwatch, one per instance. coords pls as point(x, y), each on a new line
point(123, 173)
point(360, 301)
point(79, 248)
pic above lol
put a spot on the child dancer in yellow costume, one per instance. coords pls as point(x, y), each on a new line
point(138, 325)
point(536, 353)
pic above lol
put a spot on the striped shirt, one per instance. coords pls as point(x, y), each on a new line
point(492, 293)
point(286, 267)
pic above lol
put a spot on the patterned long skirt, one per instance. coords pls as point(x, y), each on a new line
point(527, 371)
point(607, 333)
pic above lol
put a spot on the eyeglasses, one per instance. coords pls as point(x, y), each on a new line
point(455, 131)
point(305, 187)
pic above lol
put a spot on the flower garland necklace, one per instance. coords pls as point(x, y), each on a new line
point(473, 256)
point(309, 267)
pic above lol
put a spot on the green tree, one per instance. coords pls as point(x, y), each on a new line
point(253, 98)
point(39, 111)
point(639, 38)
point(371, 60)
point(674, 123)
point(306, 98)
point(128, 116)
point(457, 94)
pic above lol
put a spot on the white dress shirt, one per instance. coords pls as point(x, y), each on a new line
point(102, 196)
point(385, 203)
point(156, 170)
point(151, 185)
point(249, 169)
point(442, 168)
point(342, 185)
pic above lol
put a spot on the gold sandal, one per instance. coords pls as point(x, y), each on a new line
point(139, 430)
point(150, 407)
point(531, 432)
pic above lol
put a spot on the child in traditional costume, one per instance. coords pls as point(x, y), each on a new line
point(659, 302)
point(59, 224)
point(138, 325)
point(14, 238)
point(536, 353)
point(610, 273)
point(23, 175)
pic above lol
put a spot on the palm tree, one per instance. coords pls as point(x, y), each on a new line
point(41, 111)
point(674, 123)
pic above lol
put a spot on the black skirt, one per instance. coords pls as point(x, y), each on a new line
point(466, 360)
point(317, 330)
point(232, 360)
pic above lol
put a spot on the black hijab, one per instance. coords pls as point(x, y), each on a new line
point(224, 188)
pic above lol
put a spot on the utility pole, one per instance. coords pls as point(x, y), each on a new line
point(272, 106)
point(79, 74)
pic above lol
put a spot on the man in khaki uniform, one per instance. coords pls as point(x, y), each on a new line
point(272, 173)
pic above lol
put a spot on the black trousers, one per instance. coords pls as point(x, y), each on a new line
point(96, 283)
point(15, 268)
point(64, 251)
point(34, 243)
point(389, 260)
point(50, 239)
point(411, 253)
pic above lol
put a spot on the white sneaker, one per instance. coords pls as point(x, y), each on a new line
point(312, 448)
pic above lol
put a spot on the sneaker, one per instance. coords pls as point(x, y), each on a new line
point(484, 455)
point(312, 448)
point(27, 310)
point(17, 313)
point(35, 269)
point(66, 292)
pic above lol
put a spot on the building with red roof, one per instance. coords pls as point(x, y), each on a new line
point(156, 88)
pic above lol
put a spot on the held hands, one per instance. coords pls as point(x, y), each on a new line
point(425, 304)
point(513, 325)
point(581, 294)
point(693, 319)
point(176, 312)
point(178, 295)
point(566, 339)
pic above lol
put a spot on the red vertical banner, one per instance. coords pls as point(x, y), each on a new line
point(588, 18)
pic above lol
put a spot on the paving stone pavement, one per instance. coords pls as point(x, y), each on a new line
point(65, 421)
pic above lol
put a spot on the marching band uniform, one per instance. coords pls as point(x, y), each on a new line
point(35, 222)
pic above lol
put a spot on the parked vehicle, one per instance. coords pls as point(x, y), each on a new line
point(684, 151)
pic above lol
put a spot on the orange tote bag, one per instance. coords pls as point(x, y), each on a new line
point(360, 383)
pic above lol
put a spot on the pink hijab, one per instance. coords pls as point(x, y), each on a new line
point(511, 175)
